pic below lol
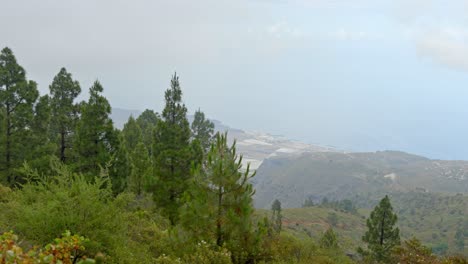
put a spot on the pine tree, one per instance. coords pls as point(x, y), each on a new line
point(329, 239)
point(202, 130)
point(147, 122)
point(63, 92)
point(141, 169)
point(95, 137)
point(172, 154)
point(231, 192)
point(17, 98)
point(382, 235)
point(120, 166)
point(309, 202)
point(42, 148)
point(276, 217)
point(131, 134)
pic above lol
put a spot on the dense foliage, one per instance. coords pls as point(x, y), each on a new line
point(161, 190)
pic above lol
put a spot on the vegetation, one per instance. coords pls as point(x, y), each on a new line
point(162, 190)
point(382, 235)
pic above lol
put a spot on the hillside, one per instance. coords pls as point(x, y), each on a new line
point(312, 222)
point(432, 218)
point(344, 175)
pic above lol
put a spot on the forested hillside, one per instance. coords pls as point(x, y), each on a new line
point(75, 189)
point(340, 176)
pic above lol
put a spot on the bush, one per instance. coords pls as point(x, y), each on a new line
point(65, 250)
point(46, 206)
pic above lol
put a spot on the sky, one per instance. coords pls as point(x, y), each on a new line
point(360, 75)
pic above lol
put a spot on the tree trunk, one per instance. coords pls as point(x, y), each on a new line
point(8, 145)
point(62, 146)
point(219, 235)
point(382, 230)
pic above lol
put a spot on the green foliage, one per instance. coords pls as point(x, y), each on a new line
point(276, 216)
point(342, 205)
point(131, 134)
point(332, 219)
point(440, 249)
point(205, 254)
point(202, 130)
point(95, 137)
point(147, 122)
point(42, 148)
point(64, 112)
point(412, 251)
point(120, 167)
point(172, 153)
point(141, 170)
point(71, 170)
point(17, 98)
point(329, 239)
point(460, 239)
point(67, 201)
point(222, 201)
point(382, 235)
point(309, 202)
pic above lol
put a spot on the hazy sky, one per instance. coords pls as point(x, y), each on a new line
point(356, 74)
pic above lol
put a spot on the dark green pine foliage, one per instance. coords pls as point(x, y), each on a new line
point(120, 166)
point(42, 148)
point(63, 92)
point(138, 156)
point(131, 134)
point(17, 98)
point(382, 235)
point(141, 169)
point(172, 153)
point(147, 122)
point(95, 140)
point(202, 130)
point(329, 240)
point(222, 207)
point(276, 217)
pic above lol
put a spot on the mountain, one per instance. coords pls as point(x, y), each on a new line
point(254, 146)
point(344, 175)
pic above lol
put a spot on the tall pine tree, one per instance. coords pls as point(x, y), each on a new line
point(202, 130)
point(220, 207)
point(276, 216)
point(171, 151)
point(63, 92)
point(382, 235)
point(147, 122)
point(95, 140)
point(141, 169)
point(42, 148)
point(17, 98)
point(131, 134)
point(120, 166)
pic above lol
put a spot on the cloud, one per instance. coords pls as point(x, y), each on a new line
point(283, 29)
point(446, 46)
point(410, 11)
point(346, 35)
point(438, 29)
